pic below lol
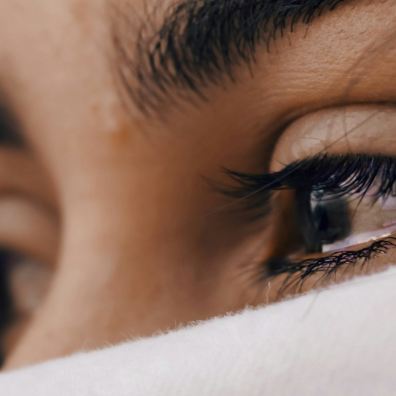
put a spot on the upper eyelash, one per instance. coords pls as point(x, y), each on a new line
point(337, 174)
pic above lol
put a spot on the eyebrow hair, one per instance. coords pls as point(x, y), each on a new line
point(200, 43)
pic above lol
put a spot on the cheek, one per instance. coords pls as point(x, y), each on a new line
point(134, 259)
point(112, 283)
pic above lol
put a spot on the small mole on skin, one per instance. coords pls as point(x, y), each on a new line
point(121, 136)
point(111, 120)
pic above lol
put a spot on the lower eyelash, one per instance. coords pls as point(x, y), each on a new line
point(297, 273)
point(341, 176)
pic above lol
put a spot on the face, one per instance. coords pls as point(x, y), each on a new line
point(149, 180)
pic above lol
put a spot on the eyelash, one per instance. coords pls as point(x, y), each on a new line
point(328, 265)
point(339, 175)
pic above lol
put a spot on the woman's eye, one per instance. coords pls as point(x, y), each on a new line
point(324, 220)
point(340, 216)
point(28, 247)
point(330, 223)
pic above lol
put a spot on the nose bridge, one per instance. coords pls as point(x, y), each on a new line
point(115, 279)
point(95, 301)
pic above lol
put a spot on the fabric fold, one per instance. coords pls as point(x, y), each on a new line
point(339, 341)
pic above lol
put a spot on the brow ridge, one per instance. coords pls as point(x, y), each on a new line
point(201, 42)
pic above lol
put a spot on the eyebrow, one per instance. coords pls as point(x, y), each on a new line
point(200, 43)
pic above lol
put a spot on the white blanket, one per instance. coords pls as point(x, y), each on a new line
point(340, 341)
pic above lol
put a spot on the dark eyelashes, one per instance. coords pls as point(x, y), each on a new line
point(200, 42)
point(331, 262)
point(338, 175)
point(298, 273)
point(348, 176)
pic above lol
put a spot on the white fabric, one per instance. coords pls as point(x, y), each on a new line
point(340, 341)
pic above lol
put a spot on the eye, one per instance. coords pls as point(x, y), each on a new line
point(29, 235)
point(28, 244)
point(29, 231)
point(340, 216)
point(324, 221)
point(361, 209)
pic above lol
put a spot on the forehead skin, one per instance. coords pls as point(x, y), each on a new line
point(139, 252)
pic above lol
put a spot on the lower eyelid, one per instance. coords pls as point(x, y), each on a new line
point(316, 272)
point(362, 238)
point(329, 175)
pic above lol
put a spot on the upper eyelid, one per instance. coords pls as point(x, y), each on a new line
point(198, 43)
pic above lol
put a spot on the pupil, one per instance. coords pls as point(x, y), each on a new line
point(330, 219)
point(324, 219)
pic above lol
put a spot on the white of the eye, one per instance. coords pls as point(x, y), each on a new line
point(359, 239)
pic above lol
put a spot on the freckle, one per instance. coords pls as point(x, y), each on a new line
point(117, 131)
point(121, 136)
point(110, 120)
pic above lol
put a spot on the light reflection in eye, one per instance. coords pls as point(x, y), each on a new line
point(343, 222)
point(379, 218)
point(343, 216)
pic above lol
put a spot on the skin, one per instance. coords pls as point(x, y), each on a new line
point(124, 221)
